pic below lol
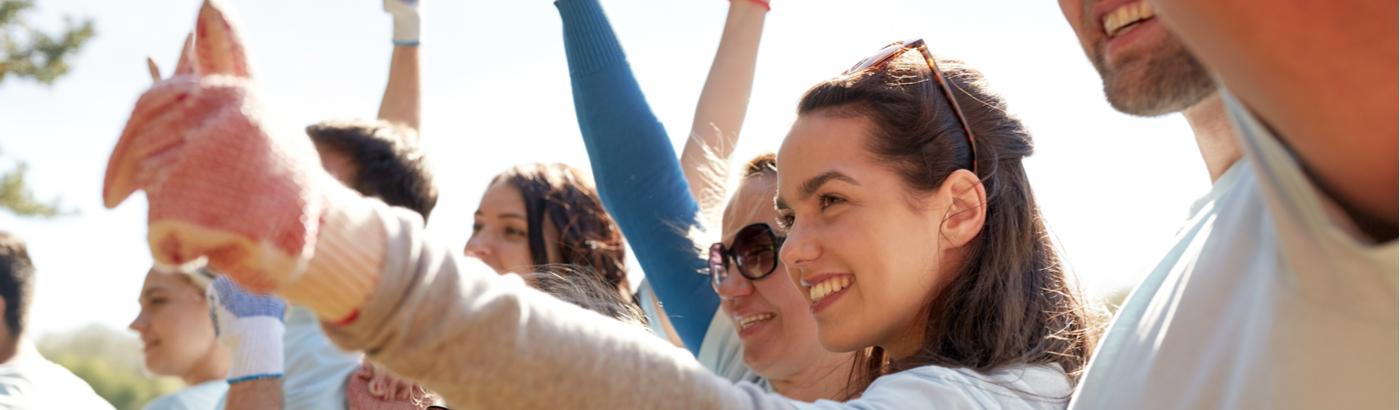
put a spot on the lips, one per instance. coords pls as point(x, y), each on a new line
point(1125, 18)
point(829, 286)
point(746, 321)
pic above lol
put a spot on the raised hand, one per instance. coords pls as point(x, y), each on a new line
point(372, 387)
point(251, 327)
point(406, 20)
point(219, 182)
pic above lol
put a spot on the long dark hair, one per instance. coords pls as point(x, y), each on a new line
point(588, 237)
point(1010, 303)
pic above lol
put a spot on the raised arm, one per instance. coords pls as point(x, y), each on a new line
point(639, 179)
point(723, 103)
point(402, 101)
point(1322, 75)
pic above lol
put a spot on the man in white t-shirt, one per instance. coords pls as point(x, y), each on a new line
point(27, 379)
point(1281, 290)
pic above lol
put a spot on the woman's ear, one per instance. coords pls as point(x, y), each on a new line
point(967, 209)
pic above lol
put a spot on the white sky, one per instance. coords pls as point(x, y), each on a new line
point(496, 93)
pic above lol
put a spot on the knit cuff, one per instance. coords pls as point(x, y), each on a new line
point(349, 255)
point(589, 41)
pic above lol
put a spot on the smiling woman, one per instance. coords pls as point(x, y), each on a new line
point(178, 338)
point(912, 238)
point(538, 215)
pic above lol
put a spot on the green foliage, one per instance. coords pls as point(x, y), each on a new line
point(110, 361)
point(15, 196)
point(26, 52)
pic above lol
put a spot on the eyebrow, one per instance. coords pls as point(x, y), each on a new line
point(812, 185)
point(147, 293)
point(502, 216)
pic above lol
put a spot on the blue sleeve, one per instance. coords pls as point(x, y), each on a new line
point(639, 178)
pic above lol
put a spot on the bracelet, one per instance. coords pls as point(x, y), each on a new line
point(763, 3)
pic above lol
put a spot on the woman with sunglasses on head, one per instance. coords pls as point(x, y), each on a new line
point(917, 242)
point(744, 325)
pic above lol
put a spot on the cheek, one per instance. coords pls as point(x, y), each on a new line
point(514, 255)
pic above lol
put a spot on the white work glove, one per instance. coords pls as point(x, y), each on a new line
point(251, 327)
point(406, 21)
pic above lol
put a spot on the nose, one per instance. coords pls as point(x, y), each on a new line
point(138, 324)
point(476, 246)
point(800, 248)
point(734, 285)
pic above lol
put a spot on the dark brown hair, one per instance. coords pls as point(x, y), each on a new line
point(1011, 302)
point(588, 236)
point(389, 164)
point(16, 282)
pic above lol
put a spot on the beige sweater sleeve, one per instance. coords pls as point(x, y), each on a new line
point(487, 341)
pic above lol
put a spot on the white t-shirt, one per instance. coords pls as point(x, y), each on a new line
point(932, 387)
point(1267, 301)
point(203, 396)
point(29, 381)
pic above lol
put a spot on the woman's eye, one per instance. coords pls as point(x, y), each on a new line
point(157, 301)
point(514, 232)
point(476, 228)
point(828, 200)
point(785, 221)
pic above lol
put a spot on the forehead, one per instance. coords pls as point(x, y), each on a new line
point(818, 144)
point(169, 282)
point(500, 198)
point(752, 203)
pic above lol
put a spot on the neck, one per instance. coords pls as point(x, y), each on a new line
point(215, 367)
point(9, 345)
point(826, 379)
point(1214, 135)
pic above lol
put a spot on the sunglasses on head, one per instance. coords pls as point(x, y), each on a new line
point(892, 51)
point(755, 253)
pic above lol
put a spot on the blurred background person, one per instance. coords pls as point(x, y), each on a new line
point(27, 379)
point(178, 338)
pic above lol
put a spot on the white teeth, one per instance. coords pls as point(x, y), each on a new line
point(827, 287)
point(747, 321)
point(1122, 19)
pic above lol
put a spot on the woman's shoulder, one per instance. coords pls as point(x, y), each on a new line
point(200, 396)
point(1015, 387)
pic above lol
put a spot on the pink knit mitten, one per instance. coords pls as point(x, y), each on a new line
point(223, 185)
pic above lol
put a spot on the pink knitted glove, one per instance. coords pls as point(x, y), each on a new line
point(221, 184)
point(374, 388)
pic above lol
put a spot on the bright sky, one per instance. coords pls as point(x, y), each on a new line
point(496, 93)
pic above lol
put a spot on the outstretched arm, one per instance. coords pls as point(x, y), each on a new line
point(723, 103)
point(1322, 75)
point(639, 179)
point(402, 97)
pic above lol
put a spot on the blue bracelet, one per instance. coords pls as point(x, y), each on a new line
point(254, 377)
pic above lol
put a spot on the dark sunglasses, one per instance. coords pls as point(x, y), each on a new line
point(755, 253)
point(897, 49)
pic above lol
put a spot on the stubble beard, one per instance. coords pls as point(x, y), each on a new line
point(1150, 85)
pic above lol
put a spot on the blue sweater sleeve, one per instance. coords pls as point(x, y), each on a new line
point(639, 178)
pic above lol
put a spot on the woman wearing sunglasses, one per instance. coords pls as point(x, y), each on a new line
point(744, 325)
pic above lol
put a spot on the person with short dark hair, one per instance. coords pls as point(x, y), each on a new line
point(27, 379)
point(378, 158)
